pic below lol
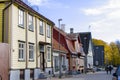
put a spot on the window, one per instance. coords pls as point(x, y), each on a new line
point(41, 48)
point(30, 23)
point(41, 27)
point(63, 63)
point(56, 64)
point(48, 31)
point(21, 51)
point(48, 53)
point(31, 51)
point(63, 60)
point(21, 18)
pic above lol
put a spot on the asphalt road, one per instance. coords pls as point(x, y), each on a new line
point(101, 75)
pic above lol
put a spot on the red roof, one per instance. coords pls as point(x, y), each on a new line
point(70, 46)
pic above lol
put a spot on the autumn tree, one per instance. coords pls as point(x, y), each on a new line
point(111, 51)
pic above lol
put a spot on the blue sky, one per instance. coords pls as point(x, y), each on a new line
point(102, 15)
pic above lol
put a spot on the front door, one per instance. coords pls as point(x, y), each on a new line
point(42, 61)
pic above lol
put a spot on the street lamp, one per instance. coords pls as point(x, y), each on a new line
point(59, 50)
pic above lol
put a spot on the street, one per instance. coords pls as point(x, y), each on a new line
point(101, 75)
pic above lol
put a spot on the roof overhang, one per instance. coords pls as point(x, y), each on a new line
point(45, 43)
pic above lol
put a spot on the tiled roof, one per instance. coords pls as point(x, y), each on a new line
point(61, 32)
point(70, 47)
point(73, 36)
point(56, 46)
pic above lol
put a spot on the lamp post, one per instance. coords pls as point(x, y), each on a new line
point(59, 51)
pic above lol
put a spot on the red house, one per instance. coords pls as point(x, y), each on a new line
point(59, 46)
point(66, 51)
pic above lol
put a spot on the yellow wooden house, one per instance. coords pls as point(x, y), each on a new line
point(30, 35)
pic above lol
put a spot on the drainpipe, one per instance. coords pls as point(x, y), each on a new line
point(9, 57)
point(52, 49)
point(26, 40)
point(36, 42)
point(3, 19)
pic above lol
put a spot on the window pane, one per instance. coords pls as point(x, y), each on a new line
point(21, 51)
point(48, 52)
point(30, 23)
point(21, 18)
point(41, 27)
point(48, 31)
point(31, 51)
point(41, 48)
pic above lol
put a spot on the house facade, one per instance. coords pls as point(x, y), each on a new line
point(59, 52)
point(98, 55)
point(30, 39)
point(86, 40)
point(77, 56)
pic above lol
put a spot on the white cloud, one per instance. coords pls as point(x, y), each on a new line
point(112, 5)
point(48, 3)
point(106, 25)
point(92, 11)
point(38, 2)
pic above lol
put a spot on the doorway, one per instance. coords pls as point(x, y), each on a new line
point(42, 61)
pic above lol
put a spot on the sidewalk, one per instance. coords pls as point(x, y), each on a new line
point(57, 78)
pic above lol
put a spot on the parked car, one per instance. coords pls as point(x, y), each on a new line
point(116, 75)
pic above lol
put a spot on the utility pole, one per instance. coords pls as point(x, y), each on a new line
point(60, 75)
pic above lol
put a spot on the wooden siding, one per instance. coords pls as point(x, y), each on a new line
point(1, 19)
point(17, 34)
point(4, 0)
point(32, 39)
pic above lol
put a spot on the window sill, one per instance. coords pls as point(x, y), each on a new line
point(48, 37)
point(31, 60)
point(49, 60)
point(41, 34)
point(21, 26)
point(31, 30)
point(21, 60)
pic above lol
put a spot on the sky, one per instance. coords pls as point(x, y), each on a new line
point(100, 17)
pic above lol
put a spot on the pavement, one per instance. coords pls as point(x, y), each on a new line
point(101, 75)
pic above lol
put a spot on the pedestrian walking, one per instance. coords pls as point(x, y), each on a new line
point(110, 69)
point(107, 69)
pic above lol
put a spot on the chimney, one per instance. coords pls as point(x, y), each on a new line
point(63, 27)
point(71, 30)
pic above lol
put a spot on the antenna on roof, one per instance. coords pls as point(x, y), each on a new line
point(89, 28)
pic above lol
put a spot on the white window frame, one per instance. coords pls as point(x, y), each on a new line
point(48, 31)
point(49, 54)
point(30, 23)
point(21, 18)
point(41, 27)
point(31, 52)
point(21, 51)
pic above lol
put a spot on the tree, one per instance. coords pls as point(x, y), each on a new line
point(115, 54)
point(107, 58)
point(111, 51)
